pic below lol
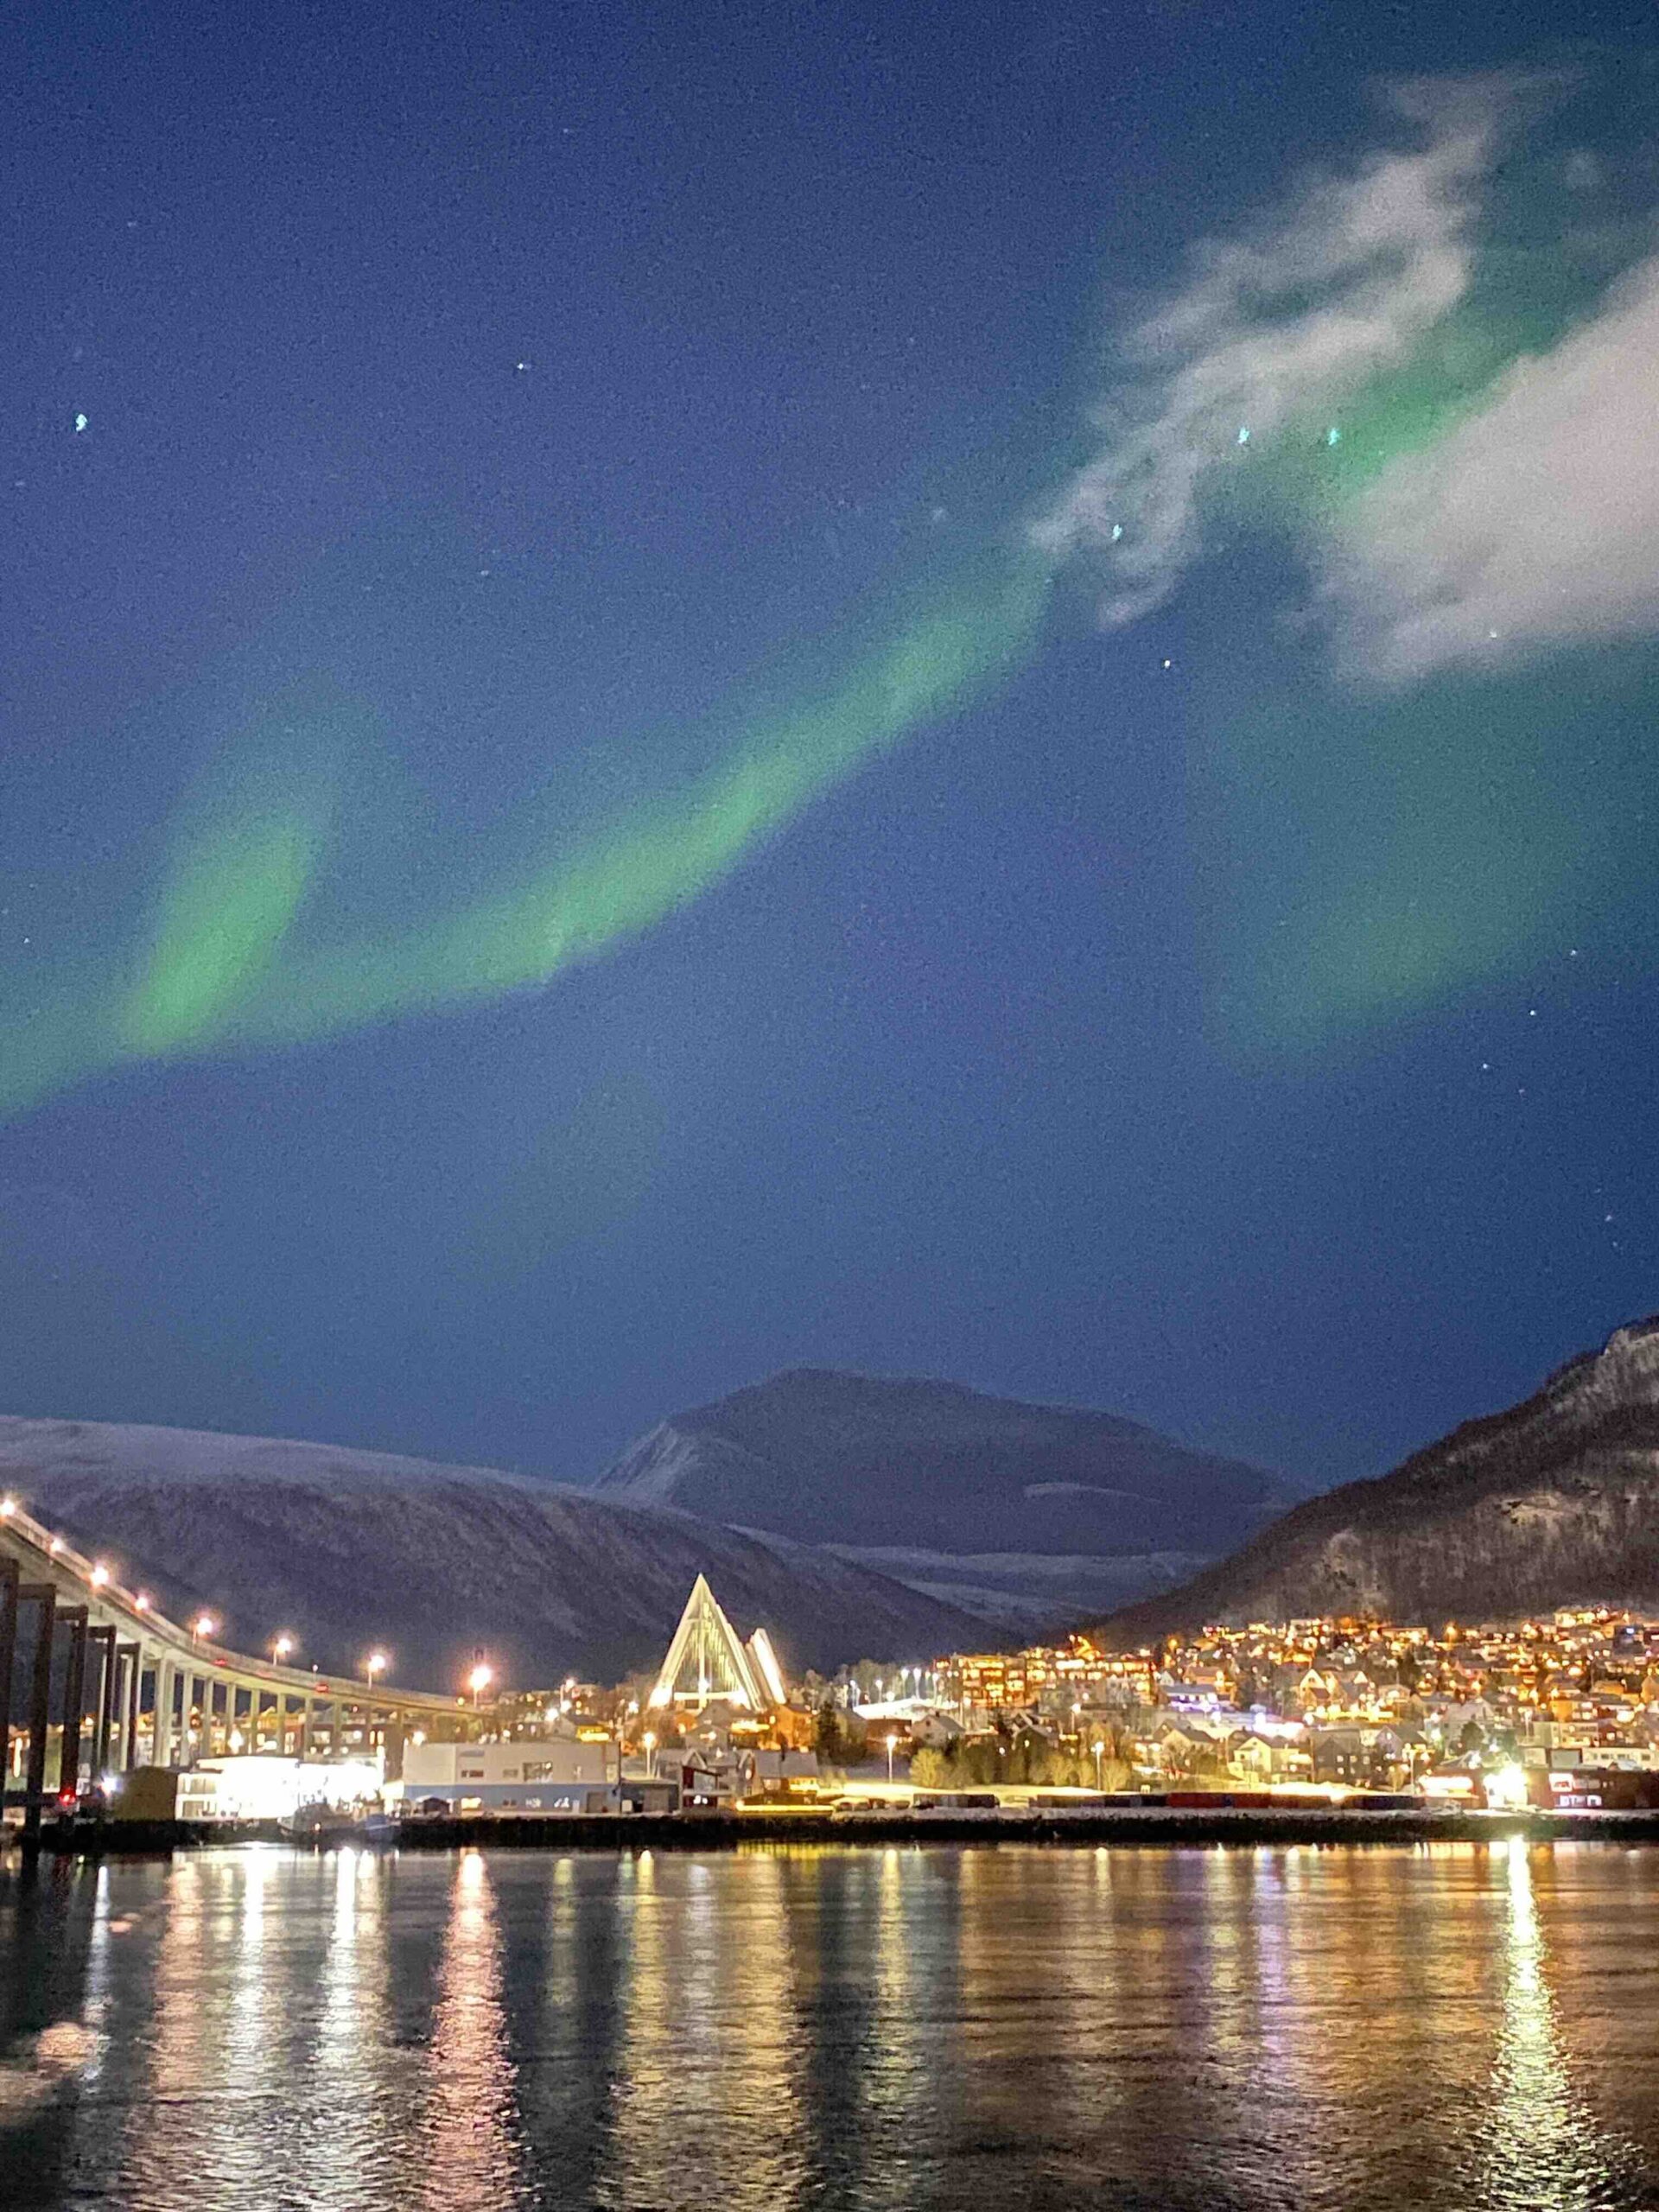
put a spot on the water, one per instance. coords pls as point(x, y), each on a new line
point(864, 2027)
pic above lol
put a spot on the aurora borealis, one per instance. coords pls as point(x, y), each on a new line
point(221, 967)
point(643, 691)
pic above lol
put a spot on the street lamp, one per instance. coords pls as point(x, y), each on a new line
point(376, 1663)
point(479, 1681)
point(99, 1576)
point(282, 1649)
point(202, 1627)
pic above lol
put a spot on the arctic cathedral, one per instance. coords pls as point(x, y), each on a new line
point(709, 1663)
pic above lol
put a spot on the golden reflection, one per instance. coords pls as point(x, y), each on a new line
point(897, 2076)
point(351, 2115)
point(707, 2077)
point(881, 2028)
point(472, 2157)
point(1542, 2143)
point(216, 2045)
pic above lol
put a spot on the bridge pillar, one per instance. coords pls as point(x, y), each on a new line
point(104, 1716)
point(40, 1705)
point(74, 1698)
point(161, 1734)
point(9, 1581)
point(135, 1658)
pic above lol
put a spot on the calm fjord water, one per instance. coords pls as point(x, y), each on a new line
point(1010, 2026)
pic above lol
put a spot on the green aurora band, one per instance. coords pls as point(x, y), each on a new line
point(1404, 880)
point(228, 965)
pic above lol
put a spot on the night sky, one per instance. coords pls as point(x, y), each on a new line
point(951, 689)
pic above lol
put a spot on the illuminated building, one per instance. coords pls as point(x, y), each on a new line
point(709, 1663)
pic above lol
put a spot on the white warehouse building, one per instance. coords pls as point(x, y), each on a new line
point(558, 1774)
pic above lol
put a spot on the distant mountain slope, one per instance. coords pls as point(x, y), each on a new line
point(348, 1549)
point(953, 1490)
point(1553, 1503)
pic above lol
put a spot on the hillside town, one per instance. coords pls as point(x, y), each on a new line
point(1562, 1709)
point(1558, 1713)
point(153, 1719)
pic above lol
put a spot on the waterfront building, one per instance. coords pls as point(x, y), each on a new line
point(259, 1787)
point(557, 1774)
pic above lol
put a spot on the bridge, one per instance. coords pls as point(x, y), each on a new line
point(112, 1684)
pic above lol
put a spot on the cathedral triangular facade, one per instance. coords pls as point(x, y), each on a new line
point(707, 1661)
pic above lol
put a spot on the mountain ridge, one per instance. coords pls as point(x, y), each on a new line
point(947, 1487)
point(1552, 1501)
point(347, 1549)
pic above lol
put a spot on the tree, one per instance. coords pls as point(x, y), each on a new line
point(839, 1736)
point(826, 1733)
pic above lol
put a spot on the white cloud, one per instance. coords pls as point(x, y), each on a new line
point(1533, 523)
point(1277, 328)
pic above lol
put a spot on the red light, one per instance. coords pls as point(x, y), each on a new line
point(65, 1797)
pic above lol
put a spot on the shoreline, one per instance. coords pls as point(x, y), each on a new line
point(719, 1831)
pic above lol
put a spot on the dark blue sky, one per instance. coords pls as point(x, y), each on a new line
point(474, 398)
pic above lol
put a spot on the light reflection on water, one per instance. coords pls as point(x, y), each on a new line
point(875, 2028)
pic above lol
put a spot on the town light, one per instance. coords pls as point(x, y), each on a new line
point(480, 1680)
point(893, 1745)
point(99, 1576)
point(650, 1742)
point(282, 1648)
point(8, 1507)
point(203, 1625)
point(1506, 1788)
point(141, 1602)
point(1100, 1753)
point(376, 1663)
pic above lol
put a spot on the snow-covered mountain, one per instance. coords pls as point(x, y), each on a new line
point(1553, 1503)
point(349, 1550)
point(1033, 1516)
